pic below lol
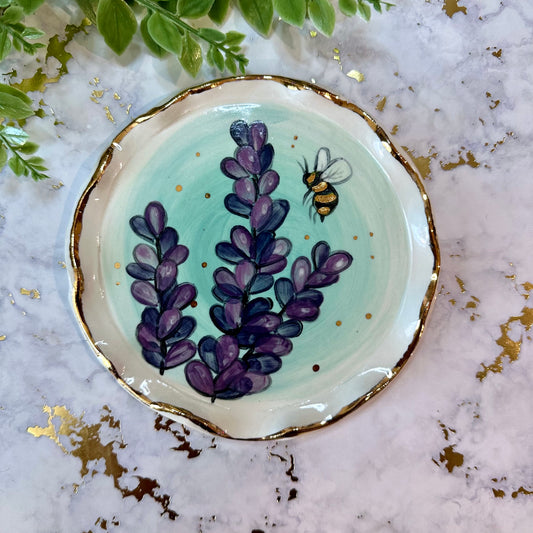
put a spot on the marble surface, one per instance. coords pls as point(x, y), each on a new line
point(446, 447)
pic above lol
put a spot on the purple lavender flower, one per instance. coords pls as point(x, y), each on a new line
point(163, 332)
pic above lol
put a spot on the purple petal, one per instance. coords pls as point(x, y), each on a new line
point(258, 135)
point(239, 132)
point(284, 290)
point(140, 227)
point(168, 239)
point(264, 364)
point(282, 247)
point(261, 283)
point(199, 378)
point(227, 350)
point(236, 206)
point(182, 296)
point(232, 169)
point(248, 158)
point(290, 328)
point(156, 217)
point(178, 254)
point(232, 312)
point(320, 253)
point(274, 345)
point(280, 210)
point(337, 263)
point(266, 156)
point(235, 371)
point(263, 323)
point(300, 271)
point(302, 310)
point(256, 306)
point(145, 255)
point(165, 275)
point(144, 272)
point(227, 252)
point(319, 279)
point(268, 182)
point(259, 382)
point(261, 212)
point(150, 316)
point(223, 276)
point(244, 272)
point(242, 240)
point(207, 352)
point(179, 353)
point(144, 293)
point(275, 265)
point(168, 322)
point(147, 338)
point(244, 188)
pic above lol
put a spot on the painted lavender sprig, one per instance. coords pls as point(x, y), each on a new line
point(248, 322)
point(164, 331)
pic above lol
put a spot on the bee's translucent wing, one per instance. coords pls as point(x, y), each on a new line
point(322, 159)
point(338, 171)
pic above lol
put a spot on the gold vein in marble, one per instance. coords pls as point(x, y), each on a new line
point(510, 348)
point(98, 454)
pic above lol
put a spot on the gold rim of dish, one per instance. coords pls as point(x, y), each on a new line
point(78, 281)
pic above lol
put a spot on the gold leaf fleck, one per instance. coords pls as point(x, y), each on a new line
point(356, 75)
point(3, 337)
point(522, 490)
point(498, 493)
point(108, 114)
point(461, 283)
point(62, 264)
point(381, 104)
point(422, 163)
point(116, 96)
point(33, 293)
point(451, 7)
point(313, 33)
point(394, 130)
point(470, 161)
point(451, 458)
point(58, 186)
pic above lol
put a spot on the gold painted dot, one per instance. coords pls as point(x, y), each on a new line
point(355, 237)
point(117, 283)
point(194, 303)
point(179, 188)
point(307, 237)
point(371, 234)
point(117, 265)
point(368, 316)
point(371, 257)
point(207, 195)
point(292, 145)
point(197, 154)
point(316, 368)
point(338, 323)
point(204, 264)
point(296, 137)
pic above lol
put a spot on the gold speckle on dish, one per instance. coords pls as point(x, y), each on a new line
point(204, 264)
point(368, 316)
point(306, 237)
point(356, 75)
point(117, 265)
point(451, 7)
point(207, 195)
point(197, 154)
point(338, 323)
point(179, 188)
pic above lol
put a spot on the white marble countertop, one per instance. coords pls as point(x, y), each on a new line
point(447, 447)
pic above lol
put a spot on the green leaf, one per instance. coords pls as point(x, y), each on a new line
point(5, 3)
point(377, 5)
point(28, 148)
point(211, 35)
point(37, 163)
point(218, 11)
point(209, 56)
point(150, 43)
point(32, 33)
point(364, 11)
point(5, 44)
point(291, 11)
point(4, 88)
point(117, 24)
point(165, 33)
point(258, 13)
point(348, 7)
point(17, 166)
point(322, 15)
point(191, 55)
point(234, 38)
point(13, 107)
point(3, 156)
point(193, 9)
point(12, 15)
point(218, 59)
point(231, 65)
point(14, 136)
point(29, 6)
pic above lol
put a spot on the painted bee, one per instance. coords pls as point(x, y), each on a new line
point(320, 182)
